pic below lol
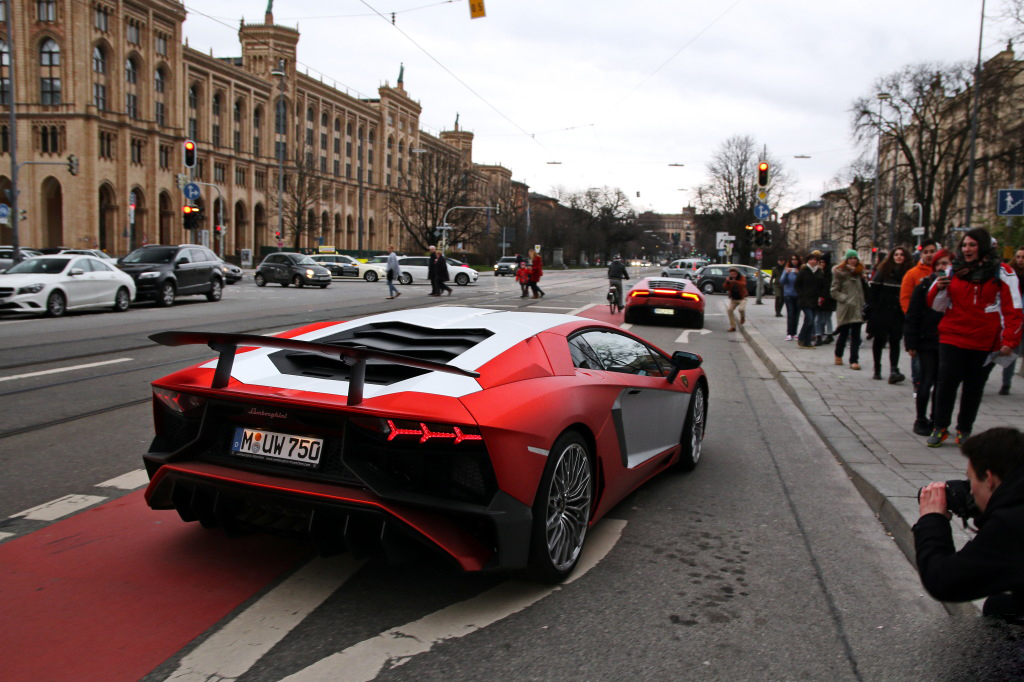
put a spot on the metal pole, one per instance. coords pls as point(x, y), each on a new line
point(974, 124)
point(12, 134)
point(280, 144)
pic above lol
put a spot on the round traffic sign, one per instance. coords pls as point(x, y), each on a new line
point(191, 191)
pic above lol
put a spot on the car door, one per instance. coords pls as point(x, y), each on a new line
point(415, 266)
point(649, 412)
point(106, 281)
point(273, 267)
point(82, 289)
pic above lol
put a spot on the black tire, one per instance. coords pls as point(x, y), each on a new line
point(371, 276)
point(284, 284)
point(56, 304)
point(166, 297)
point(405, 278)
point(297, 281)
point(692, 440)
point(697, 321)
point(260, 280)
point(630, 317)
point(323, 286)
point(561, 510)
point(122, 300)
point(216, 290)
point(708, 288)
point(462, 279)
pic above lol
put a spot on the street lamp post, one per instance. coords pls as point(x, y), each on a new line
point(283, 111)
point(882, 96)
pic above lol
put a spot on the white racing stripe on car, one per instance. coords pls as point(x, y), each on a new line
point(130, 481)
point(61, 507)
point(538, 451)
point(390, 649)
point(231, 652)
point(64, 369)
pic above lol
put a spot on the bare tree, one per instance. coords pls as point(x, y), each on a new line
point(440, 182)
point(303, 191)
point(849, 201)
point(602, 218)
point(925, 123)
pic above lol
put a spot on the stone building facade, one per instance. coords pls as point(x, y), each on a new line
point(111, 82)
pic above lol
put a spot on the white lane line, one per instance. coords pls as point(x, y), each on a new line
point(685, 336)
point(55, 509)
point(390, 649)
point(232, 651)
point(64, 369)
point(130, 481)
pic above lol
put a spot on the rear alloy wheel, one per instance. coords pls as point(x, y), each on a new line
point(166, 297)
point(370, 276)
point(216, 290)
point(122, 300)
point(56, 304)
point(462, 279)
point(708, 288)
point(297, 281)
point(405, 278)
point(693, 430)
point(561, 510)
point(260, 280)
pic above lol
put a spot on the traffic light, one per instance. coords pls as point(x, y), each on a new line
point(189, 216)
point(277, 234)
point(767, 237)
point(190, 154)
point(748, 237)
point(218, 230)
point(762, 174)
point(72, 164)
point(759, 234)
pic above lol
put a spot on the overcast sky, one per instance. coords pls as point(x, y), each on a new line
point(616, 91)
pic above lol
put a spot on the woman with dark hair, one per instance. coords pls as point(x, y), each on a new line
point(788, 281)
point(810, 292)
point(981, 305)
point(885, 319)
point(921, 339)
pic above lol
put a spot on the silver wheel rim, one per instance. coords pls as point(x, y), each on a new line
point(168, 294)
point(697, 425)
point(122, 301)
point(215, 290)
point(568, 507)
point(55, 305)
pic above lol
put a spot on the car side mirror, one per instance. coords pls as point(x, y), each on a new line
point(74, 272)
point(682, 361)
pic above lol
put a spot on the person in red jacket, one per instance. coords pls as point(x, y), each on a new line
point(981, 305)
point(536, 272)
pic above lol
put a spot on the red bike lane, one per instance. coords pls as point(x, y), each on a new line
point(114, 591)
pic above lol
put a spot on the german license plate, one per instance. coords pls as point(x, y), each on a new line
point(270, 445)
point(664, 311)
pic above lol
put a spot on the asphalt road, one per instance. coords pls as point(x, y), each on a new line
point(764, 563)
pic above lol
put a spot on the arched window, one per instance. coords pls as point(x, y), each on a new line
point(309, 115)
point(99, 85)
point(131, 96)
point(5, 77)
point(99, 60)
point(159, 86)
point(323, 120)
point(193, 112)
point(49, 72)
point(281, 117)
point(216, 119)
point(257, 129)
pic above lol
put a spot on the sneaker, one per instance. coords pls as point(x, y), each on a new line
point(922, 427)
point(1004, 390)
point(896, 377)
point(789, 337)
point(937, 438)
point(961, 436)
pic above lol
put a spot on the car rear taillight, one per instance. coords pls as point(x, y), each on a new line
point(411, 430)
point(664, 293)
point(181, 403)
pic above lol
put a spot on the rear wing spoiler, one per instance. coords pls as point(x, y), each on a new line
point(227, 346)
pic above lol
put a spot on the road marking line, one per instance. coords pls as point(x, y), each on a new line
point(64, 369)
point(390, 649)
point(685, 336)
point(55, 509)
point(232, 651)
point(130, 481)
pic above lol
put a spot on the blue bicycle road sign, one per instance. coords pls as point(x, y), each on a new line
point(191, 191)
point(1010, 202)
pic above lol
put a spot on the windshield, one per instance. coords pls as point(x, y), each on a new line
point(152, 255)
point(37, 266)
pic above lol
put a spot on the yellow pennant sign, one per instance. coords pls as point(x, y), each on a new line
point(476, 9)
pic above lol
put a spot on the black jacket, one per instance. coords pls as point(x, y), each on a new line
point(810, 286)
point(616, 270)
point(921, 323)
point(884, 309)
point(991, 563)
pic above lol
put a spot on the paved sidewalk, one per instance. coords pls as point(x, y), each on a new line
point(867, 423)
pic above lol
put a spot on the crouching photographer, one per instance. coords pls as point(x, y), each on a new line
point(992, 563)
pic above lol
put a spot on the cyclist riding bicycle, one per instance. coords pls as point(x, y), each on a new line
point(616, 273)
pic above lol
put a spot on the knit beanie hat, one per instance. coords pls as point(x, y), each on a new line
point(940, 254)
point(852, 253)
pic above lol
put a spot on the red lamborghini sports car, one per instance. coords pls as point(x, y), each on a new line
point(494, 438)
point(665, 298)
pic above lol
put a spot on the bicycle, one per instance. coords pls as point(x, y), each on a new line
point(614, 303)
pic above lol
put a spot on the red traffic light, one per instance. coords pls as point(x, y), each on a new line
point(758, 227)
point(762, 174)
point(187, 210)
point(190, 154)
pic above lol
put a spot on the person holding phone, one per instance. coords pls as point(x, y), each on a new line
point(980, 300)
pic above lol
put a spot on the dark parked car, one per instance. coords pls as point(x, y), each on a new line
point(232, 273)
point(292, 268)
point(711, 278)
point(163, 272)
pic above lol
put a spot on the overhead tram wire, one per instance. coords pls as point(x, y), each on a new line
point(459, 80)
